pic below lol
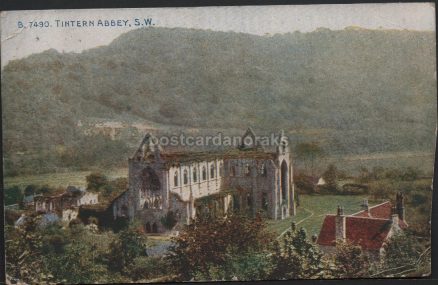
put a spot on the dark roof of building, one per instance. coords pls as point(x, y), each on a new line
point(369, 233)
point(193, 156)
point(52, 194)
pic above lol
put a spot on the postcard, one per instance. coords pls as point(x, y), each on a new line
point(218, 143)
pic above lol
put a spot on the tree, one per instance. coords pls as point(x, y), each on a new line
point(147, 267)
point(95, 181)
point(45, 189)
point(304, 184)
point(210, 242)
point(169, 220)
point(76, 264)
point(364, 175)
point(331, 178)
point(128, 245)
point(23, 249)
point(250, 266)
point(410, 174)
point(308, 153)
point(401, 249)
point(13, 195)
point(350, 261)
point(30, 190)
point(11, 216)
point(296, 257)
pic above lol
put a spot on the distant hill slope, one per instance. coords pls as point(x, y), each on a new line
point(361, 90)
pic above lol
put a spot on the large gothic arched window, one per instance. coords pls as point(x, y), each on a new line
point(150, 181)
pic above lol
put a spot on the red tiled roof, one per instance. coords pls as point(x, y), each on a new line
point(369, 233)
point(362, 214)
point(380, 211)
point(369, 229)
point(327, 235)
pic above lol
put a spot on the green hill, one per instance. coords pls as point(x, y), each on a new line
point(356, 91)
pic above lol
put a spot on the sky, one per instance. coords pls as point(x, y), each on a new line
point(18, 42)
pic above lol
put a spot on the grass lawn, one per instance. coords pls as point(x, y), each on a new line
point(64, 179)
point(279, 226)
point(312, 210)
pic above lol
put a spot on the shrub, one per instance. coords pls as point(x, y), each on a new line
point(209, 242)
point(169, 220)
point(13, 195)
point(128, 245)
point(296, 257)
point(75, 222)
point(402, 249)
point(145, 267)
point(93, 220)
point(350, 261)
point(11, 216)
point(95, 181)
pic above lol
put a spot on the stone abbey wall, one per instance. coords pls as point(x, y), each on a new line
point(251, 181)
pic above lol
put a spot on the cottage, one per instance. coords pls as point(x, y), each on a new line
point(65, 202)
point(369, 228)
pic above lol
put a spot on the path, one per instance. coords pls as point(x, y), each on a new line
point(299, 222)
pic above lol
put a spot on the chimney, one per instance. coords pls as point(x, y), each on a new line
point(340, 224)
point(395, 217)
point(400, 207)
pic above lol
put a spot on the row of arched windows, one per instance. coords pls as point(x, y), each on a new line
point(185, 179)
point(247, 170)
point(233, 172)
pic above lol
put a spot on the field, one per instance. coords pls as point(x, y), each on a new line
point(64, 179)
point(422, 161)
point(312, 210)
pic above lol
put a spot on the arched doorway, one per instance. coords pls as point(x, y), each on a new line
point(147, 227)
point(154, 228)
point(236, 203)
point(125, 211)
point(284, 180)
